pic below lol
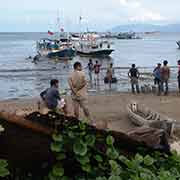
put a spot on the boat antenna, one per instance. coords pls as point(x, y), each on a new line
point(80, 20)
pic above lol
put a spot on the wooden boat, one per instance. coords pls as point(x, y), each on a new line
point(141, 115)
point(25, 143)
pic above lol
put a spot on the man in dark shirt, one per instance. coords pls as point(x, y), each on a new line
point(51, 95)
point(134, 74)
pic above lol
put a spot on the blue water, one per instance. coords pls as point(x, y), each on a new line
point(19, 77)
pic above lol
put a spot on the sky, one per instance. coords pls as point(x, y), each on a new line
point(97, 15)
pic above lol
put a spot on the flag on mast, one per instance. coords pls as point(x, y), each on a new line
point(50, 33)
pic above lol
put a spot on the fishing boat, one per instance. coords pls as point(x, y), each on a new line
point(178, 43)
point(62, 49)
point(141, 115)
point(126, 35)
point(90, 46)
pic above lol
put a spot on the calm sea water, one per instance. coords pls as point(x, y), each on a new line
point(19, 77)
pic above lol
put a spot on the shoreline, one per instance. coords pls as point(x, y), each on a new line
point(110, 108)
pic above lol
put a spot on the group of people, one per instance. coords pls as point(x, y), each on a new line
point(78, 85)
point(96, 68)
point(161, 77)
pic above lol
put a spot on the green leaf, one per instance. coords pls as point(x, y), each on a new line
point(112, 153)
point(61, 156)
point(71, 134)
point(51, 176)
point(113, 177)
point(138, 158)
point(3, 163)
point(4, 172)
point(64, 178)
point(98, 158)
point(83, 159)
point(113, 164)
point(86, 168)
point(148, 160)
point(123, 159)
point(110, 140)
point(56, 147)
point(116, 169)
point(145, 176)
point(101, 178)
point(80, 148)
point(58, 171)
point(82, 125)
point(57, 137)
point(90, 140)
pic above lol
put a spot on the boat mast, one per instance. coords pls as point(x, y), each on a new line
point(58, 22)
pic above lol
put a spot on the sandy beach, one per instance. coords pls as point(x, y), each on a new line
point(111, 107)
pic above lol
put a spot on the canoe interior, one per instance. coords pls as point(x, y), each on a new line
point(19, 144)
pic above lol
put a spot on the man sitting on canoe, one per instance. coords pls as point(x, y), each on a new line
point(52, 99)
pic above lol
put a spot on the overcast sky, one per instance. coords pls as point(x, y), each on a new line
point(41, 15)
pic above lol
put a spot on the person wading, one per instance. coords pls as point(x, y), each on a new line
point(178, 76)
point(97, 67)
point(109, 74)
point(78, 86)
point(90, 67)
point(157, 77)
point(134, 74)
point(165, 75)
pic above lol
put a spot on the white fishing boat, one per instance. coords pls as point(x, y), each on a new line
point(90, 45)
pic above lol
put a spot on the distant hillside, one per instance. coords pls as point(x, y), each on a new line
point(147, 28)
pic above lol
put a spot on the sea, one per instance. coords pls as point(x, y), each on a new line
point(21, 78)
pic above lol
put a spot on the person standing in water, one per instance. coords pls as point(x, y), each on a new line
point(78, 86)
point(157, 77)
point(165, 75)
point(97, 72)
point(178, 77)
point(109, 74)
point(90, 67)
point(134, 74)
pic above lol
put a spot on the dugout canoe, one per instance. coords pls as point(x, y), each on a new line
point(26, 139)
point(141, 115)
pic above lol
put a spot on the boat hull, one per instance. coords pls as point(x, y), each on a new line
point(102, 53)
point(65, 53)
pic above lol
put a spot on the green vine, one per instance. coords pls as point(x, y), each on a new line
point(81, 154)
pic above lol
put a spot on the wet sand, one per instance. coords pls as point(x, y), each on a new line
point(111, 107)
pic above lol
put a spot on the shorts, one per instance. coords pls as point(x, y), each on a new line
point(134, 80)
